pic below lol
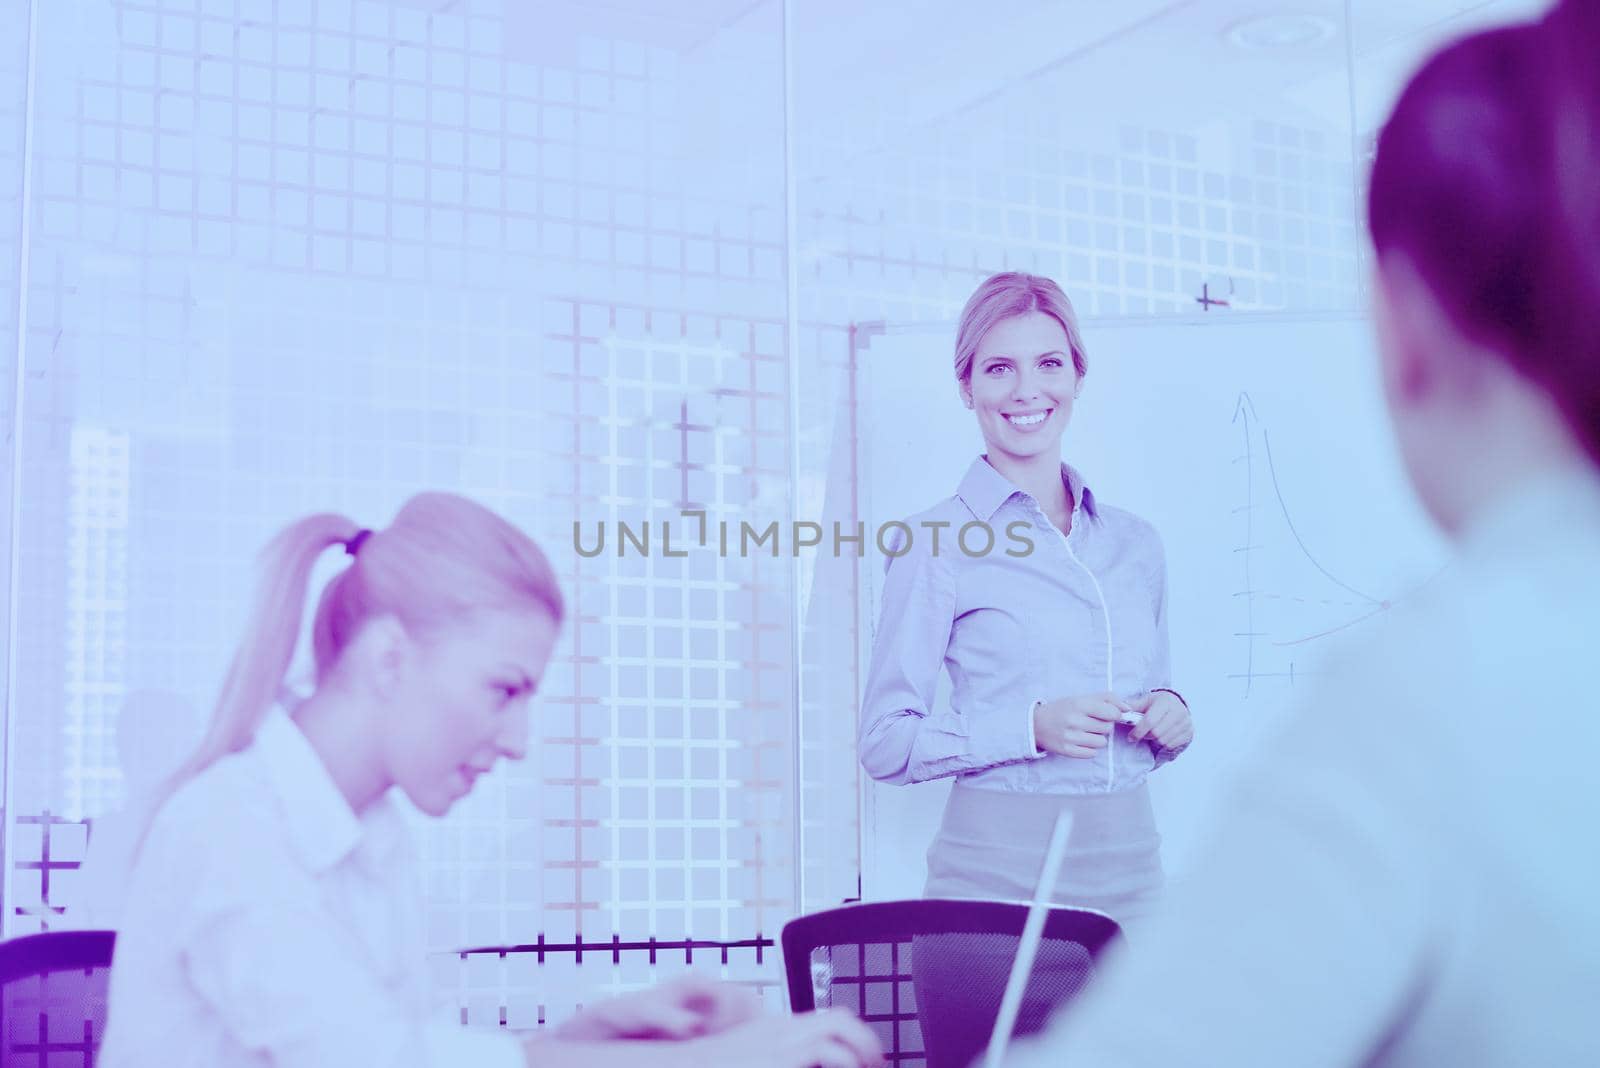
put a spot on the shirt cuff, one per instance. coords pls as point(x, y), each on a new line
point(1031, 750)
point(1169, 689)
point(450, 1045)
point(1163, 754)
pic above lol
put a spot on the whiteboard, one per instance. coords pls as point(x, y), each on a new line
point(1258, 447)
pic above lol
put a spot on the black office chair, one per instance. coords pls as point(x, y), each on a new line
point(927, 975)
point(53, 998)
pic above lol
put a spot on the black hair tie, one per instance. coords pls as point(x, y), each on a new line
point(353, 546)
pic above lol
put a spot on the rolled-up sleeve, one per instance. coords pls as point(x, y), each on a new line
point(902, 739)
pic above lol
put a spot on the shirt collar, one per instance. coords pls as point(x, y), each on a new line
point(322, 826)
point(984, 490)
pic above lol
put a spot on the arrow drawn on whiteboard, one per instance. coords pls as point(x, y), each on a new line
point(1245, 408)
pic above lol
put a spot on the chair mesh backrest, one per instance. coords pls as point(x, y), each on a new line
point(53, 1018)
point(933, 995)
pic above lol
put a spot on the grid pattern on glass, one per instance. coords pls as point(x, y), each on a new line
point(13, 100)
point(830, 650)
point(1140, 226)
point(319, 256)
point(664, 767)
point(47, 851)
point(1144, 156)
point(13, 107)
point(97, 598)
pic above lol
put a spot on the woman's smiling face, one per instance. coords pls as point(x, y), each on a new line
point(1022, 385)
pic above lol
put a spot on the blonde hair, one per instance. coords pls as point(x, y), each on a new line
point(442, 558)
point(1006, 295)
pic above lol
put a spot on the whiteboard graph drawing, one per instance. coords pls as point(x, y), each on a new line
point(1291, 597)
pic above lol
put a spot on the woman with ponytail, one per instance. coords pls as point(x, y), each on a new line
point(1405, 875)
point(274, 914)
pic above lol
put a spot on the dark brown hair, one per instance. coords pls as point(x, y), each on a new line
point(1487, 178)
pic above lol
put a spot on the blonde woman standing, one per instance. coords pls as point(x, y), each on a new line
point(1055, 639)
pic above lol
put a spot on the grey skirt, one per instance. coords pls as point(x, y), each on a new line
point(992, 844)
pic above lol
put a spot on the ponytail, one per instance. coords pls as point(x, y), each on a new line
point(271, 634)
point(270, 637)
point(443, 557)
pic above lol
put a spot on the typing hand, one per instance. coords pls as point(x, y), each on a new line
point(680, 1009)
point(829, 1038)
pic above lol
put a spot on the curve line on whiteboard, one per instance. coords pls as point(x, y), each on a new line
point(1330, 576)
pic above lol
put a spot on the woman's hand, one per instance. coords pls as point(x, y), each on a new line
point(1077, 726)
point(1166, 720)
point(831, 1038)
point(683, 1008)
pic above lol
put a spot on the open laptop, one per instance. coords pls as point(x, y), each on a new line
point(1028, 944)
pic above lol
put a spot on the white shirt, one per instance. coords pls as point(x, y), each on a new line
point(267, 925)
point(107, 864)
point(1026, 614)
point(1407, 874)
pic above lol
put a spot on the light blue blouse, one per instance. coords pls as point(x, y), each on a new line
point(1038, 616)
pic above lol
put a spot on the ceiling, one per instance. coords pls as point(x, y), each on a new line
point(926, 65)
point(1167, 63)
